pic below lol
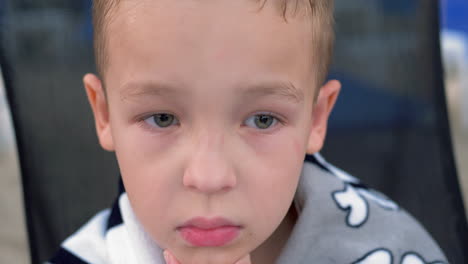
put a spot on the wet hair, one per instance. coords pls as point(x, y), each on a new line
point(320, 13)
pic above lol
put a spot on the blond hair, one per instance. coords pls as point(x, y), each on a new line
point(319, 11)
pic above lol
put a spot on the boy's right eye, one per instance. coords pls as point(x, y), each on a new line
point(162, 120)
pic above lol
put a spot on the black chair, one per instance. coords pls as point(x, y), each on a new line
point(389, 128)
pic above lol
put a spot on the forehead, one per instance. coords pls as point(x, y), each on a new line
point(206, 43)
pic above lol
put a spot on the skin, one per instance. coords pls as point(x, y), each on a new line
point(213, 160)
point(170, 259)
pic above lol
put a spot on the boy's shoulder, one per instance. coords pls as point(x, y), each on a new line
point(113, 236)
point(87, 245)
point(343, 221)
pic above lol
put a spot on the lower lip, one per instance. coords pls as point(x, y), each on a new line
point(215, 237)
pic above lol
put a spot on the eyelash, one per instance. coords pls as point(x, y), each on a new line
point(276, 120)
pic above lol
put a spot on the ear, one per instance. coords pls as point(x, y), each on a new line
point(321, 112)
point(98, 101)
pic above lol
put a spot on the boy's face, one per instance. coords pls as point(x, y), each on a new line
point(210, 112)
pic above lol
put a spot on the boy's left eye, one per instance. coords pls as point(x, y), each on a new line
point(261, 121)
point(162, 120)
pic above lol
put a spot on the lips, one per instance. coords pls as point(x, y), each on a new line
point(209, 232)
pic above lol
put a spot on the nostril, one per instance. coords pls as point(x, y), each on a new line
point(226, 188)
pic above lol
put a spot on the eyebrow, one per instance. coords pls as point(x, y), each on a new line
point(138, 89)
point(285, 90)
point(281, 89)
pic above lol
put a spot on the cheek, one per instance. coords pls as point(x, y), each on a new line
point(149, 171)
point(274, 176)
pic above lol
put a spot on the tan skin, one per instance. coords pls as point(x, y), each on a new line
point(194, 61)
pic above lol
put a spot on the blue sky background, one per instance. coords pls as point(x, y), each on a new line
point(455, 15)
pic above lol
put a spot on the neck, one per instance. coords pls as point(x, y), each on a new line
point(270, 250)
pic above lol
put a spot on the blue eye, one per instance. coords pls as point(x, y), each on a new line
point(162, 120)
point(261, 121)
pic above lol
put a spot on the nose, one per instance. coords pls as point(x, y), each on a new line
point(209, 170)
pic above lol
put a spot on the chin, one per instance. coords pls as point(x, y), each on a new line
point(214, 255)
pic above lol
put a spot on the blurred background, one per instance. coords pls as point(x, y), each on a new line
point(48, 45)
point(454, 44)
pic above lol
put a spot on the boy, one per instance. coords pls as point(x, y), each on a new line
point(210, 107)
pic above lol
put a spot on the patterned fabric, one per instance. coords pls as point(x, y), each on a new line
point(340, 221)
